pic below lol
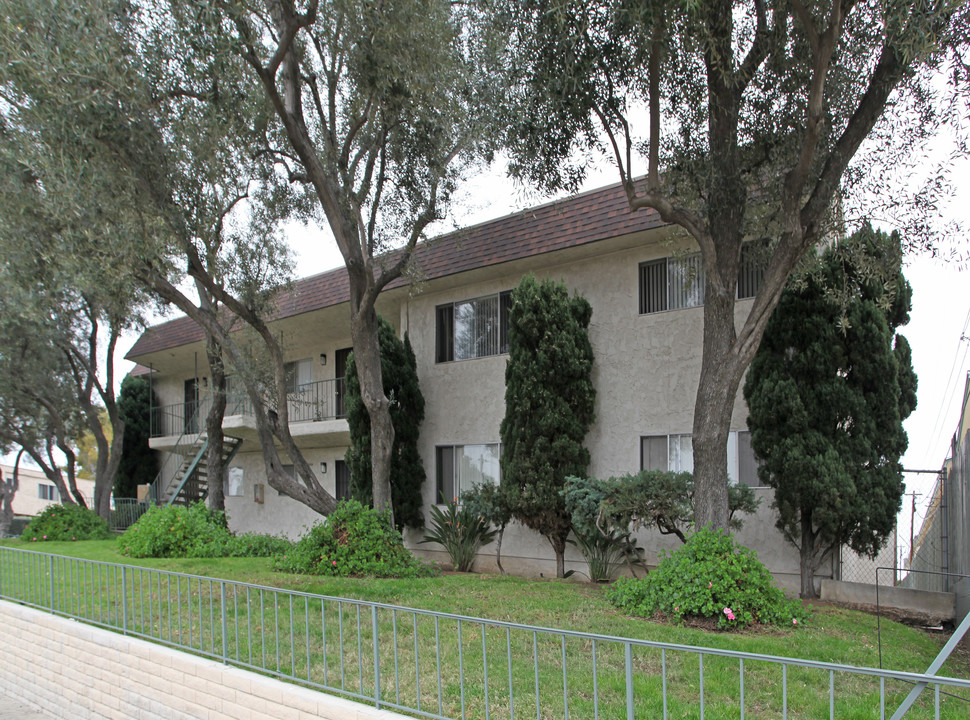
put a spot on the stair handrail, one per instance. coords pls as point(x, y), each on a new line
point(192, 431)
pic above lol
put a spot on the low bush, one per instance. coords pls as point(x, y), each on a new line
point(460, 532)
point(66, 522)
point(177, 531)
point(711, 577)
point(353, 540)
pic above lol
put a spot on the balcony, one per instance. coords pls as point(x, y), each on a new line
point(314, 409)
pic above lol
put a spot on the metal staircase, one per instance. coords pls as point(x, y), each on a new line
point(190, 483)
point(183, 477)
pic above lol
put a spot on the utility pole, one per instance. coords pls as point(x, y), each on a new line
point(912, 518)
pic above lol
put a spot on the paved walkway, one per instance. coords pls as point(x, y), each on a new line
point(16, 710)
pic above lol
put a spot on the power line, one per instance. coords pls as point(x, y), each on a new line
point(948, 393)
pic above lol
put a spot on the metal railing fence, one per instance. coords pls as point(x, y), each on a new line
point(449, 666)
point(309, 402)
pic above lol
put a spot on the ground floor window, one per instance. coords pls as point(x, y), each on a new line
point(676, 453)
point(459, 467)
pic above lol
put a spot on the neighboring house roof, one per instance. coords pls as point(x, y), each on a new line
point(577, 220)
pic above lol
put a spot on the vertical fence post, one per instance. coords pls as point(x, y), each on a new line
point(629, 680)
point(50, 581)
point(377, 659)
point(124, 601)
point(225, 625)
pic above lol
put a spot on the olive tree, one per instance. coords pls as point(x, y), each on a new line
point(750, 118)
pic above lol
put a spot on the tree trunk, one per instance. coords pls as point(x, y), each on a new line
point(498, 549)
point(215, 472)
point(367, 360)
point(808, 559)
point(716, 391)
point(559, 547)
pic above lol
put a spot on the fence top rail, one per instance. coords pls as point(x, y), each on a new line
point(635, 642)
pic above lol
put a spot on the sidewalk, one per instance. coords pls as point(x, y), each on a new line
point(16, 710)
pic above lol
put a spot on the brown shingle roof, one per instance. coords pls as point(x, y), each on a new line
point(571, 222)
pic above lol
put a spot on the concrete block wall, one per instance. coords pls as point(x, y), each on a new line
point(76, 671)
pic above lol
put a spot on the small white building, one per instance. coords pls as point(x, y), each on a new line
point(36, 492)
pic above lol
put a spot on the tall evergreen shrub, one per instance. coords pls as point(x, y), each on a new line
point(399, 370)
point(549, 397)
point(138, 465)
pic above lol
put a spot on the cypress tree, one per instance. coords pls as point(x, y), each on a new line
point(827, 394)
point(138, 465)
point(549, 399)
point(400, 374)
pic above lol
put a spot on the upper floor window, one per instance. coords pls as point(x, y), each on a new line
point(299, 375)
point(675, 283)
point(46, 492)
point(472, 328)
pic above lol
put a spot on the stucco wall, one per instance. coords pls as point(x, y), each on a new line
point(277, 514)
point(72, 670)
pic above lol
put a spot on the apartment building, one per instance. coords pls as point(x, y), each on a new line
point(643, 280)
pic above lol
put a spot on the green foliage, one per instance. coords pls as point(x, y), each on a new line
point(644, 499)
point(138, 465)
point(549, 400)
point(177, 531)
point(605, 542)
point(354, 540)
point(66, 522)
point(827, 394)
point(461, 532)
point(711, 577)
point(400, 375)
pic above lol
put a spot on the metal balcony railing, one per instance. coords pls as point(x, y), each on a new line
point(310, 402)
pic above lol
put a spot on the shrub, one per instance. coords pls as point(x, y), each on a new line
point(461, 532)
point(67, 522)
point(353, 540)
point(713, 577)
point(177, 531)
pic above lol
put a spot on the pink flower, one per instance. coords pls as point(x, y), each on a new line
point(677, 608)
point(710, 585)
point(45, 537)
point(794, 621)
point(729, 612)
point(335, 563)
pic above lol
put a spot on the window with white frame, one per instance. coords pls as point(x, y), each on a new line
point(46, 492)
point(675, 283)
point(459, 467)
point(676, 453)
point(472, 328)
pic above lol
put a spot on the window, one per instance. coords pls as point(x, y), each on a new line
point(671, 284)
point(458, 467)
point(299, 375)
point(676, 283)
point(46, 492)
point(676, 453)
point(342, 481)
point(472, 328)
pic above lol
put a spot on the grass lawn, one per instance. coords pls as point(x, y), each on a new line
point(833, 635)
